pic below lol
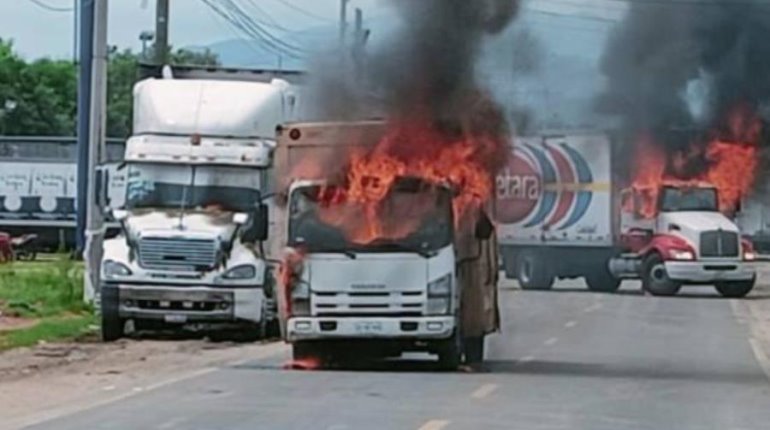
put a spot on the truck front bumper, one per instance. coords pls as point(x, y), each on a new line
point(193, 304)
point(316, 328)
point(694, 272)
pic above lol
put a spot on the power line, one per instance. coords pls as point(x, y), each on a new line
point(305, 11)
point(50, 8)
point(257, 29)
point(248, 27)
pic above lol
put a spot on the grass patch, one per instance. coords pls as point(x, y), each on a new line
point(42, 290)
point(49, 329)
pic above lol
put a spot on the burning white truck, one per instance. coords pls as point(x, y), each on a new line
point(563, 215)
point(382, 254)
point(198, 169)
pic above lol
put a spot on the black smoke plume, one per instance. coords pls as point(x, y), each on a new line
point(687, 65)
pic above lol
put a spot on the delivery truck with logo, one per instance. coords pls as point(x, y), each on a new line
point(563, 213)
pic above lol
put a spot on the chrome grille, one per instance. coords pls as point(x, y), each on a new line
point(177, 254)
point(341, 304)
point(719, 243)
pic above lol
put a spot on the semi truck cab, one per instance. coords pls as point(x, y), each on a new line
point(676, 235)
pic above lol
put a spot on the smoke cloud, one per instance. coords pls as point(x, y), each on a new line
point(688, 64)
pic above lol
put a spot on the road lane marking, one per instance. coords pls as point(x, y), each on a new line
point(484, 391)
point(570, 324)
point(434, 425)
point(527, 359)
point(593, 308)
point(550, 341)
point(760, 355)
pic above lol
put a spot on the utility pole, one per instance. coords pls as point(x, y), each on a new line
point(97, 125)
point(161, 32)
point(86, 21)
point(343, 22)
point(359, 41)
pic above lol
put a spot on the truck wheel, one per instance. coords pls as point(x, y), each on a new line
point(113, 327)
point(655, 280)
point(451, 353)
point(602, 281)
point(474, 350)
point(735, 289)
point(533, 273)
point(307, 351)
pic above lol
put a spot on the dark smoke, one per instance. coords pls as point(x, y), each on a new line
point(663, 51)
point(431, 62)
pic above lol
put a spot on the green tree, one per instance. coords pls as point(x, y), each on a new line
point(40, 97)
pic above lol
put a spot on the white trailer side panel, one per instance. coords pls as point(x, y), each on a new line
point(556, 191)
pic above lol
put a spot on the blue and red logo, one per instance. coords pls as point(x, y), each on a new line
point(544, 185)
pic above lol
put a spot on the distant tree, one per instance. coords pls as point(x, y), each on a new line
point(40, 97)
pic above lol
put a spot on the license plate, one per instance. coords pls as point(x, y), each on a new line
point(175, 319)
point(368, 327)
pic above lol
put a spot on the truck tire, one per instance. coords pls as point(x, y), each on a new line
point(735, 289)
point(655, 280)
point(307, 351)
point(113, 327)
point(450, 354)
point(602, 281)
point(533, 272)
point(474, 350)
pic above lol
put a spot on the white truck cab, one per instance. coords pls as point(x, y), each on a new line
point(396, 289)
point(687, 241)
point(198, 170)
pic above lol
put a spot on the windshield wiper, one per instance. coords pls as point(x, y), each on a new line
point(346, 252)
point(401, 247)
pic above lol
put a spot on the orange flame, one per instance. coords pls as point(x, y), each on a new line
point(361, 208)
point(729, 160)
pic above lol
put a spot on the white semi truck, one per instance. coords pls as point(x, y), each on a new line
point(199, 170)
point(431, 289)
point(562, 215)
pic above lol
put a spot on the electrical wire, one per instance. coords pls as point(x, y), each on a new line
point(50, 8)
point(225, 10)
point(305, 11)
point(256, 29)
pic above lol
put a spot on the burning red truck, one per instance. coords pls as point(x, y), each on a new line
point(566, 213)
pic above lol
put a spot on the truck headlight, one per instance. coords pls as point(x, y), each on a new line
point(300, 299)
point(749, 256)
point(246, 271)
point(441, 287)
point(114, 269)
point(682, 255)
point(440, 296)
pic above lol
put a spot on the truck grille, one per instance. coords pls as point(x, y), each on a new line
point(348, 304)
point(177, 254)
point(719, 244)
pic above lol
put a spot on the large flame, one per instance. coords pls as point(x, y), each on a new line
point(727, 160)
point(361, 206)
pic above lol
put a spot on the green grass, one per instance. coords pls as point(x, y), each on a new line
point(48, 329)
point(38, 290)
point(49, 292)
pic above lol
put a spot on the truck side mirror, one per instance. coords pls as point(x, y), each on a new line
point(258, 230)
point(484, 228)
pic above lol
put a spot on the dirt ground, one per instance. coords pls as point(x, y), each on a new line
point(53, 379)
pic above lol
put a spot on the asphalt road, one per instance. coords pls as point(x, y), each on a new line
point(566, 359)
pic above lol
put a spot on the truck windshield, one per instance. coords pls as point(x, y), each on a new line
point(675, 199)
point(231, 189)
point(407, 220)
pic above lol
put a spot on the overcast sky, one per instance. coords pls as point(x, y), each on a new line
point(39, 32)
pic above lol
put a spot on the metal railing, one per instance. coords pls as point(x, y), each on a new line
point(59, 148)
